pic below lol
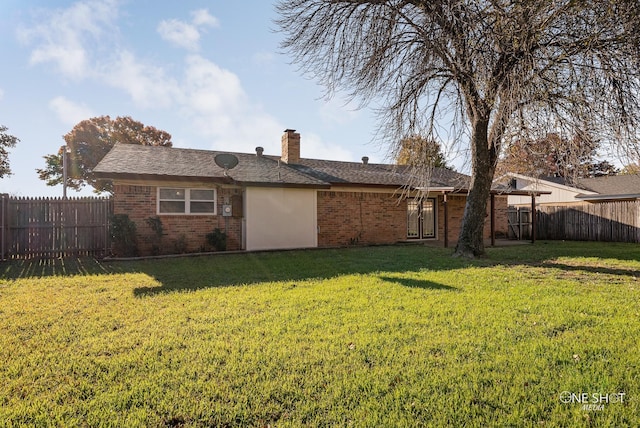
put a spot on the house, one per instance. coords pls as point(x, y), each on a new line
point(556, 190)
point(265, 202)
point(591, 209)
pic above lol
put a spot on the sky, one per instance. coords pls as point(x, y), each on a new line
point(209, 72)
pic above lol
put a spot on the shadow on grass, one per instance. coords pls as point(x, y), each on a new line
point(418, 283)
point(41, 268)
point(224, 270)
point(300, 265)
point(635, 273)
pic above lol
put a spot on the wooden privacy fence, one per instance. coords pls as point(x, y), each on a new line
point(617, 221)
point(519, 223)
point(54, 227)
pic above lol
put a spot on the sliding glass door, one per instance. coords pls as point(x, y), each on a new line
point(421, 218)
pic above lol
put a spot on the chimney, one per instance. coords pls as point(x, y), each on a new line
point(365, 160)
point(259, 151)
point(290, 146)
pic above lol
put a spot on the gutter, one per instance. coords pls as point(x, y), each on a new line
point(595, 198)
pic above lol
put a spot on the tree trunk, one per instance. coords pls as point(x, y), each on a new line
point(471, 239)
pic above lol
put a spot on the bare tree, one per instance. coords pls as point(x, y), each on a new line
point(493, 70)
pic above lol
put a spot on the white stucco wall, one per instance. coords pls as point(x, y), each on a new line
point(559, 193)
point(280, 218)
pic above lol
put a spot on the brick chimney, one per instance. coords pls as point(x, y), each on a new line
point(290, 146)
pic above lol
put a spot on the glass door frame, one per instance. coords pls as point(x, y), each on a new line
point(420, 210)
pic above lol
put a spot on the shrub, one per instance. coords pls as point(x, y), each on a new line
point(180, 244)
point(123, 235)
point(156, 240)
point(217, 240)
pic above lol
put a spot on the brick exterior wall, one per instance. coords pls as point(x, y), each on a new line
point(455, 207)
point(361, 218)
point(344, 218)
point(182, 233)
point(502, 225)
point(350, 218)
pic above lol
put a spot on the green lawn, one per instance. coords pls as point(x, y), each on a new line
point(382, 336)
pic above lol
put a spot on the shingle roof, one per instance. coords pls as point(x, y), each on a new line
point(598, 188)
point(337, 172)
point(131, 161)
point(612, 185)
point(135, 161)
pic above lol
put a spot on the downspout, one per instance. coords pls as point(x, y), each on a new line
point(493, 220)
point(446, 220)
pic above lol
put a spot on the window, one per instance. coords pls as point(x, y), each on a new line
point(186, 201)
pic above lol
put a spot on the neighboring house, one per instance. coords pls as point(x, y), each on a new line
point(281, 202)
point(592, 209)
point(600, 189)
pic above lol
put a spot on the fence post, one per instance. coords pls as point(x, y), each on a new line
point(533, 218)
point(107, 218)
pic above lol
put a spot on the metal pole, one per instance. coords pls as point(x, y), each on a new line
point(64, 171)
point(493, 220)
point(4, 198)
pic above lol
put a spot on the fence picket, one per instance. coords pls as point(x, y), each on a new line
point(54, 227)
point(615, 221)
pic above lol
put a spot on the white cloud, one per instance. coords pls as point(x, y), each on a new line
point(70, 112)
point(202, 18)
point(187, 35)
point(180, 34)
point(61, 37)
point(213, 98)
point(263, 58)
point(212, 89)
point(312, 146)
point(78, 41)
point(147, 84)
point(337, 111)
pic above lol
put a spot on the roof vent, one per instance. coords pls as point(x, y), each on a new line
point(365, 160)
point(259, 151)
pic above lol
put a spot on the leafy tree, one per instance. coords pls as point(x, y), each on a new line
point(495, 70)
point(89, 141)
point(421, 155)
point(6, 141)
point(632, 168)
point(554, 156)
point(417, 150)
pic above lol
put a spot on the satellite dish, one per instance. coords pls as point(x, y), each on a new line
point(226, 161)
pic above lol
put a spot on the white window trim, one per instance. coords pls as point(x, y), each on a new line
point(187, 200)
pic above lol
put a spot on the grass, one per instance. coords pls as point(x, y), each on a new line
point(383, 336)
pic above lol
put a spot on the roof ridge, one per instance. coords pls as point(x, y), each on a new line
point(126, 161)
